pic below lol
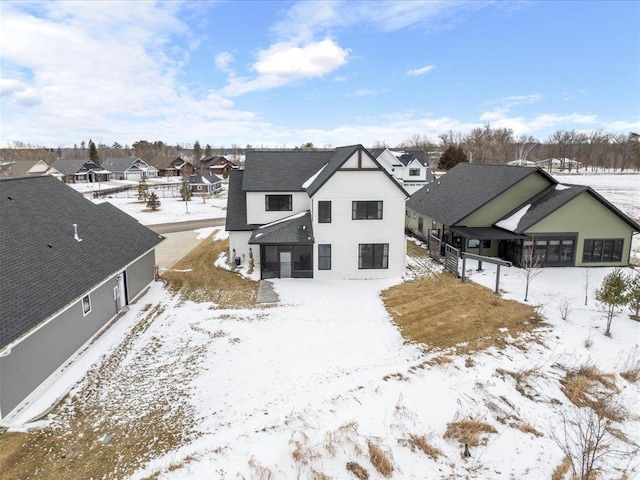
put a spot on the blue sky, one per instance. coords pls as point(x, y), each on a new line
point(331, 73)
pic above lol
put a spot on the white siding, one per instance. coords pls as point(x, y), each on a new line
point(240, 242)
point(345, 234)
point(256, 211)
point(353, 161)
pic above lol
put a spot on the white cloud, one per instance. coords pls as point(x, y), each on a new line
point(514, 100)
point(283, 63)
point(499, 118)
point(367, 92)
point(416, 72)
point(222, 61)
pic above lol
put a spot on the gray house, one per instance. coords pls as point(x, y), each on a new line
point(68, 267)
point(205, 183)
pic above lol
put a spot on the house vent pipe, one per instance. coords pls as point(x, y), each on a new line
point(75, 233)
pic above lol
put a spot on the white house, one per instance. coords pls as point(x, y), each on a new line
point(322, 214)
point(411, 171)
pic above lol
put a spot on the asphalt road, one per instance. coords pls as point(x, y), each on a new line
point(162, 228)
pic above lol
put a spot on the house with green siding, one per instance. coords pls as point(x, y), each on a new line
point(516, 212)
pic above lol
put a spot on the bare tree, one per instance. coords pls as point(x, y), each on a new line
point(589, 438)
point(530, 265)
point(524, 145)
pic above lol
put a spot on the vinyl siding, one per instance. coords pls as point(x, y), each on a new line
point(591, 219)
point(497, 208)
point(140, 274)
point(43, 352)
point(344, 234)
point(240, 242)
point(257, 214)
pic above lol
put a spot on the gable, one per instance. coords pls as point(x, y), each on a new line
point(359, 160)
point(584, 213)
point(506, 201)
point(468, 187)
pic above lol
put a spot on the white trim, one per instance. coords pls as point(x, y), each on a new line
point(69, 305)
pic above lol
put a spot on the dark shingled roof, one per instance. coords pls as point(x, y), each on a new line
point(68, 166)
point(43, 268)
point(551, 199)
point(293, 230)
point(467, 187)
point(281, 170)
point(199, 178)
point(237, 204)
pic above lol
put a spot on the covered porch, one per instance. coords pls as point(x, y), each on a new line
point(286, 247)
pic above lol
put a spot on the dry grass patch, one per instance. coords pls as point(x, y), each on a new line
point(207, 283)
point(420, 442)
point(560, 472)
point(586, 386)
point(523, 381)
point(358, 470)
point(472, 432)
point(441, 311)
point(379, 460)
point(630, 366)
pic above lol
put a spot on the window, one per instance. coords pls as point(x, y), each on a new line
point(369, 210)
point(324, 257)
point(373, 255)
point(602, 250)
point(324, 212)
point(414, 172)
point(86, 304)
point(278, 203)
point(475, 243)
point(420, 224)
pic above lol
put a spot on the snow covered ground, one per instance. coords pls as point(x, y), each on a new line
point(172, 208)
point(299, 388)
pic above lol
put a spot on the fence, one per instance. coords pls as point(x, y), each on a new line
point(451, 258)
point(110, 191)
point(434, 247)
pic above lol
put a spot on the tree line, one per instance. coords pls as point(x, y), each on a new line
point(487, 144)
point(594, 149)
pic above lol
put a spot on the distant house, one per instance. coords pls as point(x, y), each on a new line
point(176, 167)
point(409, 168)
point(216, 165)
point(322, 213)
point(68, 267)
point(129, 168)
point(522, 163)
point(78, 171)
point(204, 183)
point(560, 164)
point(513, 212)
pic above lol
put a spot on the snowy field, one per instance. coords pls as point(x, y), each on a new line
point(172, 208)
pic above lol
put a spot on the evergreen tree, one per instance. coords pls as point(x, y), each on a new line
point(633, 294)
point(612, 295)
point(197, 152)
point(153, 203)
point(452, 156)
point(93, 152)
point(208, 151)
point(143, 190)
point(185, 190)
